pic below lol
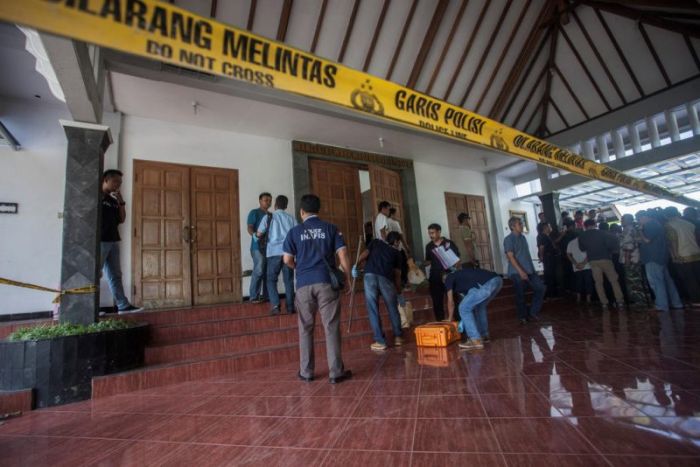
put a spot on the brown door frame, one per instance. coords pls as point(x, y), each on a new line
point(486, 222)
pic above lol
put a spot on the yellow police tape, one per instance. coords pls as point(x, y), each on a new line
point(164, 32)
point(76, 291)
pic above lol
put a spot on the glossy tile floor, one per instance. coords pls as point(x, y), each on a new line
point(579, 388)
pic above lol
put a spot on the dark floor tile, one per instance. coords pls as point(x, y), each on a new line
point(349, 388)
point(592, 404)
point(54, 451)
point(555, 460)
point(504, 385)
point(539, 435)
point(633, 436)
point(441, 459)
point(518, 405)
point(339, 407)
point(448, 387)
point(664, 402)
point(652, 461)
point(237, 430)
point(450, 407)
point(345, 458)
point(302, 433)
point(388, 434)
point(552, 384)
point(222, 405)
point(445, 435)
point(134, 453)
point(393, 387)
point(266, 457)
point(271, 406)
point(386, 407)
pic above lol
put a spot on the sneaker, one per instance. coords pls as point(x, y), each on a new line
point(256, 300)
point(275, 311)
point(522, 322)
point(604, 307)
point(471, 344)
point(377, 346)
point(398, 341)
point(130, 309)
point(485, 339)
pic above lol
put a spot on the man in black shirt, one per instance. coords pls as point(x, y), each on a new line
point(599, 246)
point(113, 214)
point(477, 287)
point(547, 254)
point(382, 276)
point(437, 269)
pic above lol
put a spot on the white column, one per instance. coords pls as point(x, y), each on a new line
point(653, 132)
point(618, 143)
point(633, 132)
point(587, 148)
point(602, 143)
point(693, 118)
point(672, 125)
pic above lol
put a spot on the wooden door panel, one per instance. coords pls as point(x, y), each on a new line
point(161, 256)
point(386, 186)
point(216, 257)
point(338, 187)
point(475, 206)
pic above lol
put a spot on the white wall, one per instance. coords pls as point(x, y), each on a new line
point(432, 181)
point(263, 164)
point(34, 177)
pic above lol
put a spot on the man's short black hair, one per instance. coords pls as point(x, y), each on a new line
point(565, 214)
point(310, 203)
point(392, 211)
point(281, 202)
point(111, 173)
point(569, 223)
point(435, 226)
point(263, 194)
point(589, 223)
point(393, 237)
point(462, 216)
point(603, 226)
point(541, 226)
point(383, 205)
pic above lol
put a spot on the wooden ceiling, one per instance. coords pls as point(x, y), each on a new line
point(541, 66)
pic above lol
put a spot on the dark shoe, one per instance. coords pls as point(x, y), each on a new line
point(522, 322)
point(486, 339)
point(304, 378)
point(347, 374)
point(256, 300)
point(130, 309)
point(275, 311)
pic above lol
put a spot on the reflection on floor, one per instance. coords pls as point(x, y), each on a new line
point(579, 388)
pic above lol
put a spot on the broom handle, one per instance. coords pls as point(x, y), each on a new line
point(352, 286)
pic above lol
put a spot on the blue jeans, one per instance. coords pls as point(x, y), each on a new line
point(112, 270)
point(472, 308)
point(375, 285)
point(258, 277)
point(537, 287)
point(662, 284)
point(274, 266)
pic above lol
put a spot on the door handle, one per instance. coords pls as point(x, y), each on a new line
point(186, 234)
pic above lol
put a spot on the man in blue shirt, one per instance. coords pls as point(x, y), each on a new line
point(653, 253)
point(310, 249)
point(382, 276)
point(477, 287)
point(522, 272)
point(276, 227)
point(257, 279)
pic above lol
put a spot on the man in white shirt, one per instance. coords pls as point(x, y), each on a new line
point(583, 277)
point(381, 225)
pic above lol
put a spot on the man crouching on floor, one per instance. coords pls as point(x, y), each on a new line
point(476, 288)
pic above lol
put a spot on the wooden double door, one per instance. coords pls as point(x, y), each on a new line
point(338, 186)
point(186, 239)
point(475, 206)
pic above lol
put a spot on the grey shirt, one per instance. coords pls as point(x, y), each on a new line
point(518, 245)
point(598, 244)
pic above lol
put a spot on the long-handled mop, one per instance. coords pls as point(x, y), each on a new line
point(352, 286)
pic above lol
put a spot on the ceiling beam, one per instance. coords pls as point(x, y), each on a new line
point(447, 45)
point(427, 43)
point(693, 52)
point(571, 92)
point(486, 51)
point(212, 10)
point(506, 48)
point(547, 96)
point(675, 4)
point(467, 49)
point(284, 20)
point(532, 117)
point(691, 30)
point(377, 31)
point(559, 112)
point(524, 77)
point(652, 50)
point(538, 80)
point(348, 31)
point(523, 58)
point(581, 62)
point(251, 14)
point(399, 44)
point(319, 23)
point(592, 45)
point(619, 52)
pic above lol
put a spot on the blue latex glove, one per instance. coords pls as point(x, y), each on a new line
point(460, 327)
point(355, 273)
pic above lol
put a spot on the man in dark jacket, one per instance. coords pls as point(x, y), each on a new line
point(437, 268)
point(599, 247)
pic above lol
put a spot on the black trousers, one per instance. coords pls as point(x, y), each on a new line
point(437, 294)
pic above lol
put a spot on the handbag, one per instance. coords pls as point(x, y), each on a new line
point(336, 276)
